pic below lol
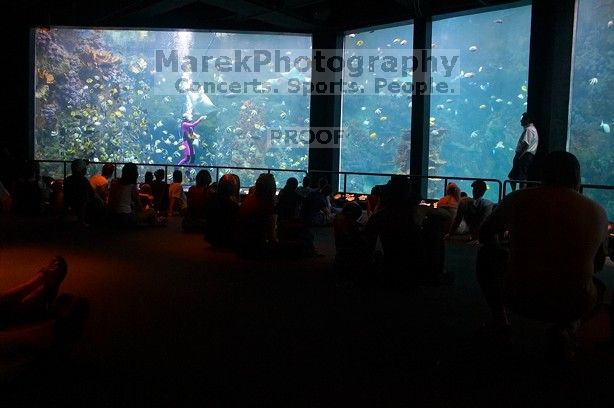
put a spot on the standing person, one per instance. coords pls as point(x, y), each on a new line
point(525, 151)
point(188, 135)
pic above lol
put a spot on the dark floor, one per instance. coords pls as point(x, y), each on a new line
point(176, 323)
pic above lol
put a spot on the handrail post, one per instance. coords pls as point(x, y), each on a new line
point(345, 183)
point(64, 164)
point(217, 173)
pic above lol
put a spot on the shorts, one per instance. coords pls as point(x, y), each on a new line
point(520, 168)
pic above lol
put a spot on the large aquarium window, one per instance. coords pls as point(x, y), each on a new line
point(135, 96)
point(375, 121)
point(474, 133)
point(592, 105)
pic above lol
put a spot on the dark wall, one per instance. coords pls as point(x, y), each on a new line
point(325, 109)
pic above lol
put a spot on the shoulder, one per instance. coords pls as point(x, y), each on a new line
point(590, 205)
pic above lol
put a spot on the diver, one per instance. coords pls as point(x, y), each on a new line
point(188, 135)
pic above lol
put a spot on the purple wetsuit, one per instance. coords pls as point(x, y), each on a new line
point(187, 128)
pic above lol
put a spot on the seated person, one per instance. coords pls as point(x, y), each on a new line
point(177, 199)
point(374, 199)
point(317, 207)
point(352, 256)
point(124, 202)
point(146, 197)
point(149, 178)
point(159, 189)
point(222, 213)
point(472, 211)
point(306, 188)
point(257, 219)
point(289, 201)
point(101, 182)
point(554, 250)
point(197, 197)
point(80, 197)
point(400, 236)
point(292, 230)
point(448, 204)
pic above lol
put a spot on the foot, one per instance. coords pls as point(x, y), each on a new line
point(53, 275)
point(55, 271)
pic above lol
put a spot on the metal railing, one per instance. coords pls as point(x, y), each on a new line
point(502, 186)
point(595, 187)
point(445, 179)
point(165, 166)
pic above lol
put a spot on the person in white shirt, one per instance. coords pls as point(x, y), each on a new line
point(525, 151)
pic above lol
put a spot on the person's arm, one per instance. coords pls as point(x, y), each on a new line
point(457, 220)
point(136, 200)
point(196, 122)
point(495, 223)
point(523, 149)
point(484, 214)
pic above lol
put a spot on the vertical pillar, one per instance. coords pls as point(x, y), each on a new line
point(325, 107)
point(421, 104)
point(550, 64)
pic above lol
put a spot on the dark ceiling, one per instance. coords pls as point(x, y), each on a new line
point(258, 15)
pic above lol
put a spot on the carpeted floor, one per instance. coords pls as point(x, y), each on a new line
point(174, 322)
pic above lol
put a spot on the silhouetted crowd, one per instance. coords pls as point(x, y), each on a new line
point(539, 249)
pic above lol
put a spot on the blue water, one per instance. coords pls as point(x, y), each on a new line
point(591, 100)
point(473, 132)
point(99, 95)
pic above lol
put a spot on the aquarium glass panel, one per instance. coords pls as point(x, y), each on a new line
point(376, 124)
point(592, 105)
point(122, 96)
point(474, 133)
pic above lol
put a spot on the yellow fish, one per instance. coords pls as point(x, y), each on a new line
point(523, 88)
point(360, 43)
point(383, 118)
point(482, 106)
point(373, 136)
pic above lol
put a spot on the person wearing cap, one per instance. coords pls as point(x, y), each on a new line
point(473, 211)
point(188, 135)
point(79, 196)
